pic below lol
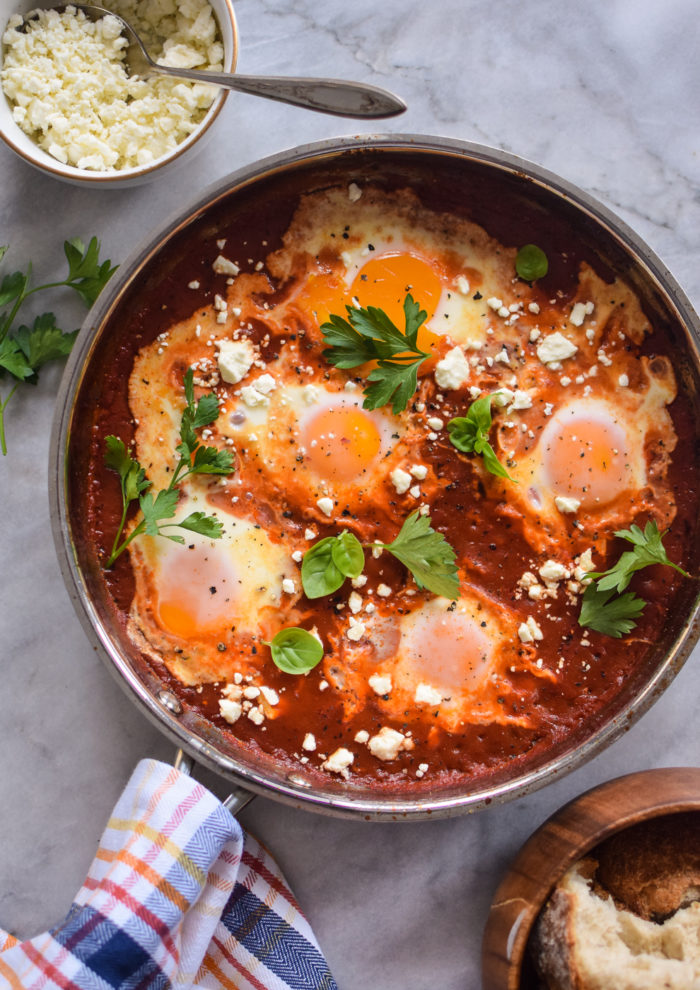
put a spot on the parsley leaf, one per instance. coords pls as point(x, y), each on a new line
point(24, 350)
point(648, 549)
point(13, 359)
point(44, 341)
point(613, 615)
point(194, 459)
point(85, 272)
point(369, 335)
point(427, 555)
point(607, 613)
point(470, 434)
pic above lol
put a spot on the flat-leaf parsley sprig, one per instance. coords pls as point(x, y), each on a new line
point(369, 335)
point(470, 434)
point(194, 458)
point(24, 350)
point(604, 608)
point(423, 551)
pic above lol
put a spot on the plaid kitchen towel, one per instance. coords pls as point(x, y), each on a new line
point(179, 896)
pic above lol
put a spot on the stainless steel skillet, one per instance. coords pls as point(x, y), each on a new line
point(498, 191)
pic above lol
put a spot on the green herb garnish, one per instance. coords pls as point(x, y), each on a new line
point(603, 608)
point(470, 434)
point(295, 651)
point(531, 263)
point(327, 563)
point(23, 350)
point(426, 554)
point(369, 335)
point(608, 613)
point(194, 459)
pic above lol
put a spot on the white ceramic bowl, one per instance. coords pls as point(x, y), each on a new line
point(27, 149)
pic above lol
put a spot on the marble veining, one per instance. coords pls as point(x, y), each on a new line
point(602, 93)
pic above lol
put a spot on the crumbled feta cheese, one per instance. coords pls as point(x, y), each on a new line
point(462, 284)
point(427, 695)
point(309, 743)
point(401, 480)
point(453, 370)
point(533, 307)
point(256, 716)
point(354, 192)
point(270, 695)
point(68, 87)
point(339, 761)
point(325, 504)
point(501, 397)
point(579, 312)
point(566, 504)
point(222, 266)
point(552, 571)
point(415, 491)
point(584, 564)
point(288, 586)
point(356, 630)
point(362, 736)
point(265, 384)
point(388, 743)
point(435, 423)
point(309, 534)
point(419, 472)
point(384, 591)
point(355, 602)
point(360, 581)
point(230, 710)
point(380, 684)
point(521, 400)
point(555, 347)
point(235, 359)
point(529, 631)
point(252, 398)
point(309, 394)
point(502, 357)
point(494, 303)
point(251, 692)
point(623, 381)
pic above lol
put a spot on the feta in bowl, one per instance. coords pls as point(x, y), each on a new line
point(69, 107)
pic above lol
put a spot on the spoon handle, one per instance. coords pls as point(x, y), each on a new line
point(334, 96)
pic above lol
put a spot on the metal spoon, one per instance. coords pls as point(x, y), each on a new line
point(334, 96)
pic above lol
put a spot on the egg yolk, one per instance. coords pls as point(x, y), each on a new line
point(450, 651)
point(341, 443)
point(383, 282)
point(587, 460)
point(193, 593)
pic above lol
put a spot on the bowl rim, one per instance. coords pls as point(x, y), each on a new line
point(293, 790)
point(46, 163)
point(552, 849)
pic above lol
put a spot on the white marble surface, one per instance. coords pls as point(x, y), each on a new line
point(606, 94)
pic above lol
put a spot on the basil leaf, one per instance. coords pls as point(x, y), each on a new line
point(348, 555)
point(295, 651)
point(319, 574)
point(531, 263)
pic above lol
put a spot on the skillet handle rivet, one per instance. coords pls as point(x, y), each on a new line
point(168, 699)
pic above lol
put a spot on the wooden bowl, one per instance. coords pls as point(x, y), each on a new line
point(560, 842)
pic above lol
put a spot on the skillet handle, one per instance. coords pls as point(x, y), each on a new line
point(237, 799)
